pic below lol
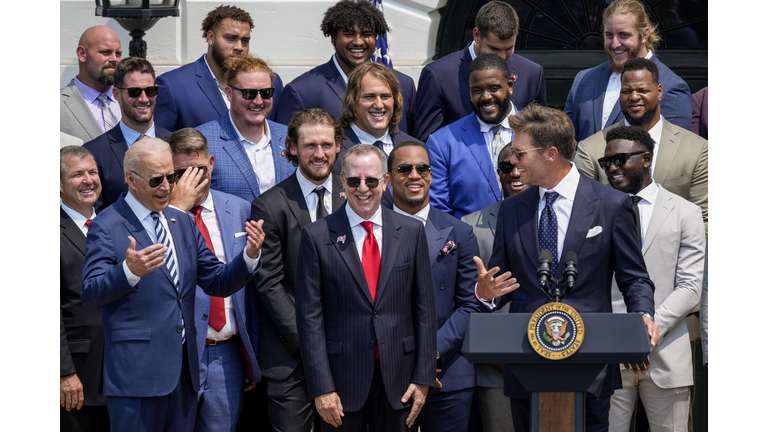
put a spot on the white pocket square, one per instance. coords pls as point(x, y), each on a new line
point(240, 234)
point(594, 231)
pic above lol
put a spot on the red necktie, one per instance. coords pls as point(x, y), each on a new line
point(88, 223)
point(216, 316)
point(371, 263)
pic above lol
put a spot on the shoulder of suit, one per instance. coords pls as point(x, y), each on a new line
point(451, 220)
point(70, 89)
point(309, 77)
point(689, 137)
point(277, 127)
point(467, 122)
point(405, 80)
point(523, 62)
point(173, 76)
point(232, 200)
point(683, 203)
point(450, 60)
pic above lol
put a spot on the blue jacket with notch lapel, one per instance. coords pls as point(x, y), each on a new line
point(340, 325)
point(234, 172)
point(189, 97)
point(108, 150)
point(463, 175)
point(584, 105)
point(443, 93)
point(614, 250)
point(142, 324)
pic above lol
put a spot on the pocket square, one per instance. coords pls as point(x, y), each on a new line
point(448, 248)
point(240, 234)
point(594, 231)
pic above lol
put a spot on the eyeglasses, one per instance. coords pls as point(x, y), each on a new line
point(371, 182)
point(250, 94)
point(506, 166)
point(135, 92)
point(406, 168)
point(517, 152)
point(158, 180)
point(180, 171)
point(619, 159)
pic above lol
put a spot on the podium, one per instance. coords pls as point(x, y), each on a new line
point(557, 386)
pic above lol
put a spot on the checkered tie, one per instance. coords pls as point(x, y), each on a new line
point(170, 260)
point(109, 119)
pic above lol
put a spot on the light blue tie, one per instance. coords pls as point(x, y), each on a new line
point(170, 260)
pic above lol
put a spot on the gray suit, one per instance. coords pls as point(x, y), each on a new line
point(673, 251)
point(76, 118)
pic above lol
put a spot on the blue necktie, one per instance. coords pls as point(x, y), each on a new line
point(548, 228)
point(379, 144)
point(170, 260)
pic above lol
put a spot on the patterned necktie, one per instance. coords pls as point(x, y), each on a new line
point(639, 225)
point(170, 259)
point(106, 113)
point(548, 228)
point(320, 212)
point(497, 144)
point(217, 316)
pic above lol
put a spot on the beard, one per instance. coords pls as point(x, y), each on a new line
point(634, 182)
point(504, 106)
point(616, 67)
point(315, 175)
point(643, 119)
point(220, 58)
point(106, 78)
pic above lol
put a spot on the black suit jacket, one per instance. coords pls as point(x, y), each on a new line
point(109, 151)
point(284, 211)
point(82, 335)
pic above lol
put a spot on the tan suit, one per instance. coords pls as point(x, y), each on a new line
point(681, 164)
point(76, 118)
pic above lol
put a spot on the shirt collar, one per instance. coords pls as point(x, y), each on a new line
point(472, 51)
point(307, 187)
point(91, 94)
point(485, 127)
point(567, 186)
point(131, 135)
point(138, 209)
point(366, 138)
point(355, 219)
point(211, 70)
point(207, 203)
point(341, 71)
point(78, 218)
point(655, 131)
point(649, 193)
point(420, 215)
point(265, 139)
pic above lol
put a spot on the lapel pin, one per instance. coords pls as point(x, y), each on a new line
point(343, 195)
point(341, 239)
point(173, 219)
point(282, 153)
point(514, 77)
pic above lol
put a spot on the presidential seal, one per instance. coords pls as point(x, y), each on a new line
point(556, 331)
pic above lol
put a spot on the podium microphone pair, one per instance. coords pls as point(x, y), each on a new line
point(544, 273)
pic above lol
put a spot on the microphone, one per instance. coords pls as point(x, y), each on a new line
point(544, 273)
point(571, 271)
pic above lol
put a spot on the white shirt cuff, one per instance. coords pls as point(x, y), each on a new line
point(251, 263)
point(132, 278)
point(490, 304)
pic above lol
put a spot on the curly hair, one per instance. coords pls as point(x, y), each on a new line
point(352, 95)
point(247, 64)
point(636, 10)
point(216, 16)
point(311, 116)
point(348, 14)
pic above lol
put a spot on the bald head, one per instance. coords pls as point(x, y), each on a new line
point(98, 52)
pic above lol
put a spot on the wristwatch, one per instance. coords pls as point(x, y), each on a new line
point(647, 315)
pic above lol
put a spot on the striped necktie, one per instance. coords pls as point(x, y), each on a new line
point(109, 119)
point(170, 259)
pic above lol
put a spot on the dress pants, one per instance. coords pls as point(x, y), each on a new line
point(596, 418)
point(445, 412)
point(222, 380)
point(290, 409)
point(666, 409)
point(494, 409)
point(85, 419)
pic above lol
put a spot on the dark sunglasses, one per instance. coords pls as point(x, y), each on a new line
point(180, 172)
point(158, 180)
point(371, 182)
point(619, 159)
point(406, 168)
point(250, 94)
point(135, 92)
point(506, 166)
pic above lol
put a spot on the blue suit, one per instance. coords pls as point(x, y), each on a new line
point(231, 214)
point(443, 95)
point(108, 150)
point(324, 87)
point(463, 175)
point(584, 105)
point(234, 172)
point(189, 97)
point(143, 352)
point(454, 276)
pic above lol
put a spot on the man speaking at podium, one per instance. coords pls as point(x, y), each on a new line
point(566, 211)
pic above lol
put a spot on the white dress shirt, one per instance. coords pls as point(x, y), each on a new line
point(221, 92)
point(612, 91)
point(421, 215)
point(77, 218)
point(260, 155)
point(563, 205)
point(645, 205)
point(359, 233)
point(655, 134)
point(341, 71)
point(307, 189)
point(506, 131)
point(365, 138)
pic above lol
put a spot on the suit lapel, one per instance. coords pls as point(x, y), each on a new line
point(491, 215)
point(117, 144)
point(226, 221)
point(71, 231)
point(600, 86)
point(79, 107)
point(296, 201)
point(334, 80)
point(529, 231)
point(661, 211)
point(237, 153)
point(179, 245)
point(437, 234)
point(667, 148)
point(466, 59)
point(338, 227)
point(582, 214)
point(338, 196)
point(391, 238)
point(473, 139)
point(283, 167)
point(208, 87)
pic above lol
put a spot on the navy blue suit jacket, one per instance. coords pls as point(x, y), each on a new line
point(463, 175)
point(189, 97)
point(584, 105)
point(454, 276)
point(108, 150)
point(323, 87)
point(340, 325)
point(610, 250)
point(231, 213)
point(142, 324)
point(234, 172)
point(443, 95)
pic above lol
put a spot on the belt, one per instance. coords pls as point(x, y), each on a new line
point(219, 342)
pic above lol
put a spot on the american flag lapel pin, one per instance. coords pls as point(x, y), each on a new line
point(173, 219)
point(341, 239)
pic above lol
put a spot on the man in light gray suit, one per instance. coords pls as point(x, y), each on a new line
point(495, 411)
point(86, 105)
point(671, 231)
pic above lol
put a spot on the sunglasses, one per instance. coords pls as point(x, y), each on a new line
point(180, 171)
point(619, 159)
point(250, 94)
point(158, 180)
point(406, 168)
point(135, 92)
point(506, 166)
point(371, 182)
point(518, 153)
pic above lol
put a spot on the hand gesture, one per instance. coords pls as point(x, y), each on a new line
point(419, 394)
point(329, 407)
point(144, 261)
point(489, 287)
point(255, 238)
point(186, 190)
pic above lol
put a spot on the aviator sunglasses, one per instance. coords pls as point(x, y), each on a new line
point(250, 94)
point(371, 182)
point(619, 159)
point(406, 168)
point(135, 92)
point(158, 180)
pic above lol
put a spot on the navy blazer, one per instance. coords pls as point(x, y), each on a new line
point(234, 173)
point(463, 175)
point(189, 97)
point(443, 95)
point(584, 105)
point(340, 325)
point(601, 232)
point(324, 87)
point(108, 150)
point(231, 213)
point(142, 324)
point(454, 276)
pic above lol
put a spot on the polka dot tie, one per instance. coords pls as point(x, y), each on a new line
point(548, 228)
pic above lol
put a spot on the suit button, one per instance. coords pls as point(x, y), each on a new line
point(180, 300)
point(375, 314)
point(442, 286)
point(178, 329)
point(438, 318)
point(370, 344)
point(205, 316)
